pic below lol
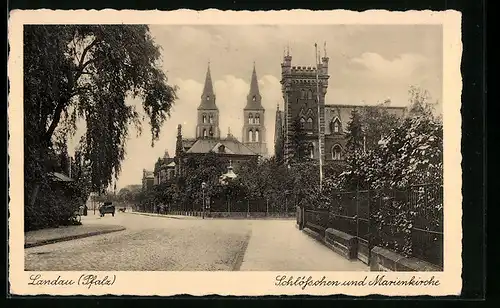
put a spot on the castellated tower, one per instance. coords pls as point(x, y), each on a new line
point(300, 95)
point(208, 113)
point(254, 130)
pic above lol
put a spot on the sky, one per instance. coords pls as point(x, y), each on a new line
point(368, 63)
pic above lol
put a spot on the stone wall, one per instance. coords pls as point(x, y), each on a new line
point(385, 260)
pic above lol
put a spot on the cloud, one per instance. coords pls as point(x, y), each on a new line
point(402, 66)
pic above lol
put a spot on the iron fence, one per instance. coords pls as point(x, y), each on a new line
point(407, 221)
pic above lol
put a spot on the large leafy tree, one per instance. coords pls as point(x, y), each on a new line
point(377, 123)
point(298, 143)
point(87, 72)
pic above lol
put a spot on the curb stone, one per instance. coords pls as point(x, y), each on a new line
point(71, 237)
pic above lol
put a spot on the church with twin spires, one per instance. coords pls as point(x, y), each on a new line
point(208, 136)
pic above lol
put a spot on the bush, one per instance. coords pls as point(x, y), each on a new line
point(54, 207)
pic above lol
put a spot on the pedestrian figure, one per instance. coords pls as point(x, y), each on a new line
point(85, 209)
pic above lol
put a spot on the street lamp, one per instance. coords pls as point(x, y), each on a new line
point(203, 186)
point(224, 180)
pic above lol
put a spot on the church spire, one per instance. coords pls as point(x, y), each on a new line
point(208, 95)
point(254, 97)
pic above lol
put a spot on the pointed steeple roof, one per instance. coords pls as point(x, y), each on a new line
point(254, 98)
point(208, 95)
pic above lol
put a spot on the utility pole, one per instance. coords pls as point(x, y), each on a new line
point(318, 59)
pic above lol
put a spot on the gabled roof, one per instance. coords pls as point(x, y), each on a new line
point(187, 143)
point(233, 146)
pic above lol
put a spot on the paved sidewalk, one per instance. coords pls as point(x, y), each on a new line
point(279, 246)
point(165, 215)
point(66, 233)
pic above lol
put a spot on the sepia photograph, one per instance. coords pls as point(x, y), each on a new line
point(197, 147)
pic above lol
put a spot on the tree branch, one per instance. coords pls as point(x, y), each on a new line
point(55, 121)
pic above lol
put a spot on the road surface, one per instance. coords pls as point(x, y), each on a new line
point(178, 243)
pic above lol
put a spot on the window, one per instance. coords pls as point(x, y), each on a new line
point(257, 135)
point(336, 127)
point(302, 122)
point(310, 123)
point(253, 98)
point(204, 118)
point(204, 133)
point(311, 150)
point(208, 97)
point(250, 135)
point(257, 119)
point(250, 119)
point(336, 152)
point(222, 149)
point(210, 132)
point(310, 94)
point(211, 119)
point(302, 94)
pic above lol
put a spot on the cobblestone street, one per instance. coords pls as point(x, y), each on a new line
point(178, 243)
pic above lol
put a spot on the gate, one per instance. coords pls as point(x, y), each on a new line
point(363, 228)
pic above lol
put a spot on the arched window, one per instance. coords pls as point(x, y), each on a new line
point(253, 98)
point(204, 118)
point(257, 135)
point(257, 119)
point(310, 94)
point(204, 133)
point(250, 119)
point(336, 152)
point(250, 135)
point(302, 122)
point(310, 123)
point(208, 97)
point(336, 126)
point(302, 94)
point(211, 119)
point(311, 150)
point(210, 132)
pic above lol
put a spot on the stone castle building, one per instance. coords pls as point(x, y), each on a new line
point(304, 88)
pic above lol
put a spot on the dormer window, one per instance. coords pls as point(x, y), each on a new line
point(222, 149)
point(208, 98)
point(335, 126)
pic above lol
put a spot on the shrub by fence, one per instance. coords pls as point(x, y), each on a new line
point(409, 222)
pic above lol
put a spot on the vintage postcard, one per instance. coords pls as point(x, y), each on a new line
point(235, 153)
